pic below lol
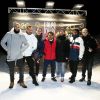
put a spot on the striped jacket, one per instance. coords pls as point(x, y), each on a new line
point(76, 48)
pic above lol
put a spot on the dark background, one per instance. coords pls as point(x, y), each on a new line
point(92, 7)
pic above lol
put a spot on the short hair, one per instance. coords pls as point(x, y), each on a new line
point(85, 29)
point(77, 30)
point(51, 33)
point(39, 29)
point(28, 26)
point(15, 23)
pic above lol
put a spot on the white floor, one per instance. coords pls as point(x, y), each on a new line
point(50, 90)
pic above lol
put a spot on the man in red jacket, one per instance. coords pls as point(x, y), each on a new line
point(49, 55)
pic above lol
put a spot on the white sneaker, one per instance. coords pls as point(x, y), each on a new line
point(62, 79)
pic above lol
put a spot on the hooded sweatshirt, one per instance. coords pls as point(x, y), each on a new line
point(14, 44)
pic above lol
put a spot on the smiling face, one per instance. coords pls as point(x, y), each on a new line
point(29, 30)
point(50, 36)
point(75, 32)
point(85, 32)
point(39, 31)
point(16, 27)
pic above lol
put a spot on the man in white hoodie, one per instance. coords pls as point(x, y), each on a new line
point(32, 41)
point(15, 43)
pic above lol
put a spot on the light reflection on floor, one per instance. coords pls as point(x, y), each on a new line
point(50, 90)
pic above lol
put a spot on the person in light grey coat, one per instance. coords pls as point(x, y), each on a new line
point(14, 43)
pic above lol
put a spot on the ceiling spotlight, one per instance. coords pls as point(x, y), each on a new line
point(49, 4)
point(20, 3)
point(78, 6)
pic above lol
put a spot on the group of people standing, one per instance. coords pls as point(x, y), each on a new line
point(56, 51)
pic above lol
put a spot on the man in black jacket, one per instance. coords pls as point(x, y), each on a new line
point(87, 61)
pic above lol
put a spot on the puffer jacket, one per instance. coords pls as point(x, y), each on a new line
point(49, 50)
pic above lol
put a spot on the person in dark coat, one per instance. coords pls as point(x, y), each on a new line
point(88, 57)
point(62, 54)
point(38, 53)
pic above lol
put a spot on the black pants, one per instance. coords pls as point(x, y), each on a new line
point(30, 63)
point(52, 65)
point(73, 65)
point(87, 64)
point(18, 63)
point(37, 64)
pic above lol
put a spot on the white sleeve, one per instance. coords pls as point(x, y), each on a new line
point(25, 44)
point(35, 43)
point(82, 48)
point(3, 42)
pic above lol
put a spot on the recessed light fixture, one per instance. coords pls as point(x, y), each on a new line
point(49, 4)
point(78, 6)
point(20, 3)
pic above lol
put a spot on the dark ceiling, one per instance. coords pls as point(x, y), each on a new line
point(92, 7)
point(59, 4)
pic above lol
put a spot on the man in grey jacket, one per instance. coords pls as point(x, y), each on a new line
point(15, 43)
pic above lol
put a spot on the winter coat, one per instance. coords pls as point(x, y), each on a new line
point(32, 41)
point(49, 50)
point(62, 49)
point(38, 53)
point(89, 42)
point(14, 44)
point(76, 48)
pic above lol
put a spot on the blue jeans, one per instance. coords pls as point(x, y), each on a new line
point(52, 65)
point(60, 68)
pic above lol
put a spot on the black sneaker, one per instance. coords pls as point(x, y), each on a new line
point(53, 79)
point(89, 82)
point(82, 79)
point(35, 83)
point(43, 79)
point(71, 81)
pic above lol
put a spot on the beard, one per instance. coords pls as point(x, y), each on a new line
point(16, 31)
